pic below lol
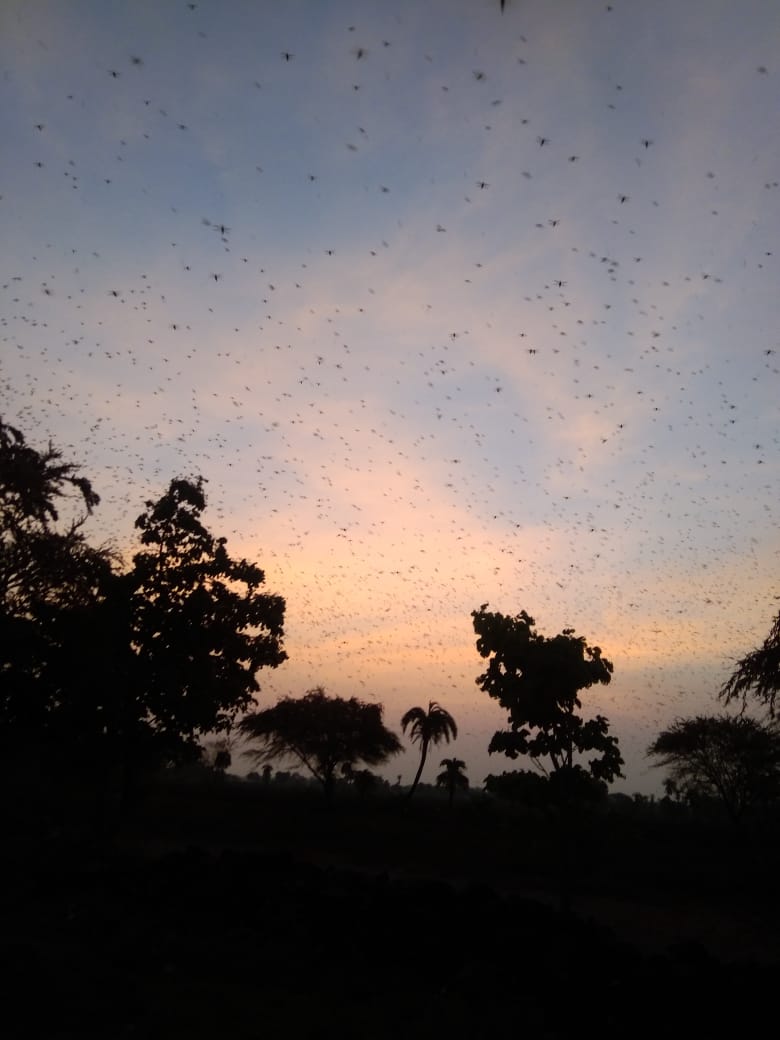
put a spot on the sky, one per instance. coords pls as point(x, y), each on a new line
point(448, 306)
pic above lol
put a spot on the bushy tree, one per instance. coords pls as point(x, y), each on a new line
point(33, 483)
point(180, 638)
point(47, 572)
point(734, 759)
point(201, 626)
point(103, 666)
point(322, 732)
point(538, 681)
point(363, 781)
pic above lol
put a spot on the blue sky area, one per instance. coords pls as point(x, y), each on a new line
point(448, 306)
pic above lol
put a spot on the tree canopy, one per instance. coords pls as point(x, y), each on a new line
point(47, 571)
point(735, 759)
point(109, 662)
point(201, 625)
point(324, 733)
point(32, 483)
point(757, 672)
point(538, 681)
point(43, 563)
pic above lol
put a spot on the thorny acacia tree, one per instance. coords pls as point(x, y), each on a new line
point(323, 733)
point(735, 759)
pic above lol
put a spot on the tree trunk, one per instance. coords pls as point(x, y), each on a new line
point(416, 781)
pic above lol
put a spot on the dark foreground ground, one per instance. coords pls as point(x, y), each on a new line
point(235, 911)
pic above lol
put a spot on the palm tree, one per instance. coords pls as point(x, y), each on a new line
point(426, 728)
point(452, 776)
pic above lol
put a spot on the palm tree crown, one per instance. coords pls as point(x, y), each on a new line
point(426, 728)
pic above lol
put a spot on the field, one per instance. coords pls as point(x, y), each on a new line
point(245, 910)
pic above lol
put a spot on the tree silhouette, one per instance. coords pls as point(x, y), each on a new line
point(103, 667)
point(32, 483)
point(520, 785)
point(735, 759)
point(363, 781)
point(47, 570)
point(538, 680)
point(759, 672)
point(453, 777)
point(322, 732)
point(426, 728)
point(201, 626)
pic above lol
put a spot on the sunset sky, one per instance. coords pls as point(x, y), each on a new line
point(448, 306)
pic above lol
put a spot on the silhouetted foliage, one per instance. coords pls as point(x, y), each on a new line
point(535, 790)
point(201, 627)
point(758, 672)
point(363, 781)
point(105, 669)
point(735, 759)
point(426, 728)
point(453, 777)
point(180, 638)
point(538, 681)
point(520, 785)
point(32, 482)
point(323, 732)
point(47, 572)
